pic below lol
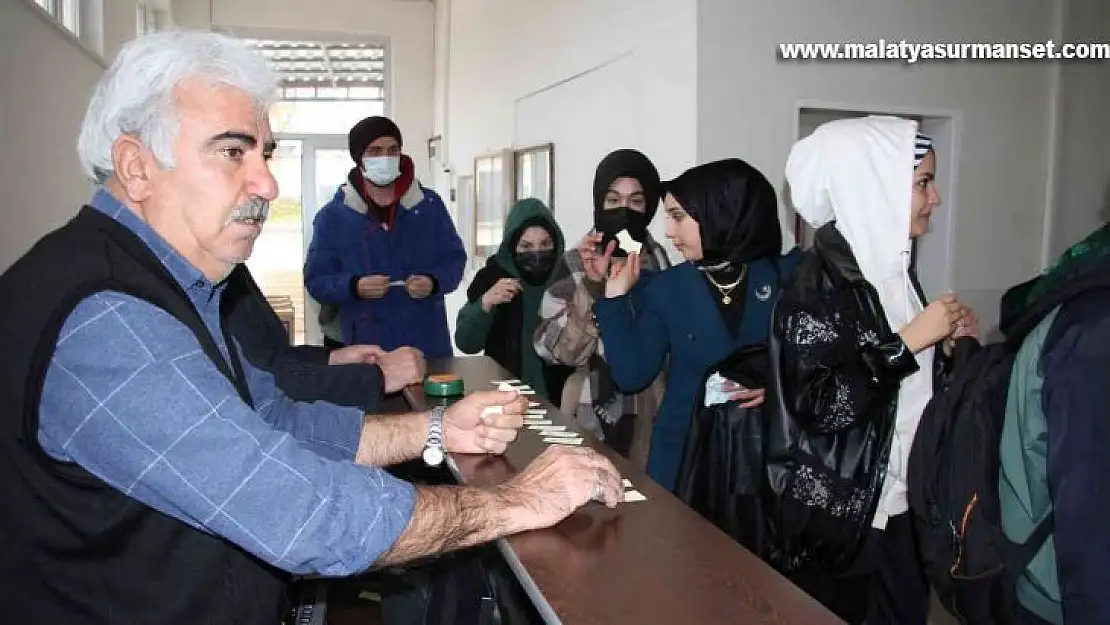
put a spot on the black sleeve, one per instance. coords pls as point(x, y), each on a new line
point(831, 379)
point(358, 385)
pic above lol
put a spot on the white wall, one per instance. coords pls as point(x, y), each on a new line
point(441, 45)
point(407, 26)
point(747, 97)
point(1082, 189)
point(588, 76)
point(43, 98)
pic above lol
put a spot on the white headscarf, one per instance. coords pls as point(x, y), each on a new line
point(859, 172)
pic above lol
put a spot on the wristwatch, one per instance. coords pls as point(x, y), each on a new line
point(433, 449)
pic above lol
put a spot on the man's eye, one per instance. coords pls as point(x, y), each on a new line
point(235, 154)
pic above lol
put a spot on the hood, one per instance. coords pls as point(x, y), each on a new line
point(524, 214)
point(1084, 265)
point(859, 173)
point(409, 191)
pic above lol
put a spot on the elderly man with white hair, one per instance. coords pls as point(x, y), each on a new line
point(150, 474)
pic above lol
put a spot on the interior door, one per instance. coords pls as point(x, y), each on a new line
point(327, 160)
point(308, 169)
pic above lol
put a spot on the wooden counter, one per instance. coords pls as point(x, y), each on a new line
point(649, 562)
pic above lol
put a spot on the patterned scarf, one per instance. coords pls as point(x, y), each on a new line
point(599, 394)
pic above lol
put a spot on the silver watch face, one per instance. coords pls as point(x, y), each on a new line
point(433, 455)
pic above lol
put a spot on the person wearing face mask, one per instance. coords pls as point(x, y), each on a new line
point(385, 250)
point(854, 361)
point(503, 301)
point(723, 218)
point(626, 192)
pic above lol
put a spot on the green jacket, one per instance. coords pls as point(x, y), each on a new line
point(506, 332)
point(1023, 480)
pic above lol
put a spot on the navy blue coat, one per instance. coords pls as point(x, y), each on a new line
point(1076, 393)
point(678, 318)
point(348, 243)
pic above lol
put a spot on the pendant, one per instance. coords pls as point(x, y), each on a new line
point(726, 300)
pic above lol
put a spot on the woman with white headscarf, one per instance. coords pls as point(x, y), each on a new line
point(853, 367)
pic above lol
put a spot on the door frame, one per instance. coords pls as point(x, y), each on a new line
point(310, 205)
point(945, 126)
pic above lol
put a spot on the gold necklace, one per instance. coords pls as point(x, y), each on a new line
point(726, 289)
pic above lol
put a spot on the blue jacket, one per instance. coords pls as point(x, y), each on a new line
point(348, 243)
point(679, 318)
point(1053, 454)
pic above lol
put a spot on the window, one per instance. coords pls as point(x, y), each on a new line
point(65, 12)
point(326, 87)
point(81, 20)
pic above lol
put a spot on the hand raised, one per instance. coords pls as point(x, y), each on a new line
point(484, 422)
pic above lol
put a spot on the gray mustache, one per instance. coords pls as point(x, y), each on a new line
point(256, 209)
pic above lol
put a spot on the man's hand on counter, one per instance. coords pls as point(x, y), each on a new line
point(558, 482)
point(400, 367)
point(554, 485)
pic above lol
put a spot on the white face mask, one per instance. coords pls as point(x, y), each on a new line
point(381, 170)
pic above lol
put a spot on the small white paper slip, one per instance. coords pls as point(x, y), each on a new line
point(627, 483)
point(538, 423)
point(500, 382)
point(492, 410)
point(537, 427)
point(555, 428)
point(627, 243)
point(533, 404)
point(557, 434)
point(397, 283)
point(634, 495)
point(523, 390)
point(534, 413)
point(714, 390)
point(562, 441)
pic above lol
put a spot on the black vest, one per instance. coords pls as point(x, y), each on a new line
point(72, 549)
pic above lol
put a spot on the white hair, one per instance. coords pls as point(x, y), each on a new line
point(136, 95)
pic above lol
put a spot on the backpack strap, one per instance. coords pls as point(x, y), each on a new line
point(1022, 554)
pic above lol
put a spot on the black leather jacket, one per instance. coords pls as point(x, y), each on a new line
point(836, 367)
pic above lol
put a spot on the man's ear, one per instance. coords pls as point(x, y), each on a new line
point(134, 165)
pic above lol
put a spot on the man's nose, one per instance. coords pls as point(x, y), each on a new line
point(262, 183)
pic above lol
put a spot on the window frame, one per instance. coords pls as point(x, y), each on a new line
point(79, 21)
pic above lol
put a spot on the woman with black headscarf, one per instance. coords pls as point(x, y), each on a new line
point(723, 218)
point(626, 193)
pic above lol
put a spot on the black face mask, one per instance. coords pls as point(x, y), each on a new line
point(535, 266)
point(611, 221)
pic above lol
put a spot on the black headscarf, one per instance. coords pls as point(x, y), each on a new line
point(625, 164)
point(736, 210)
